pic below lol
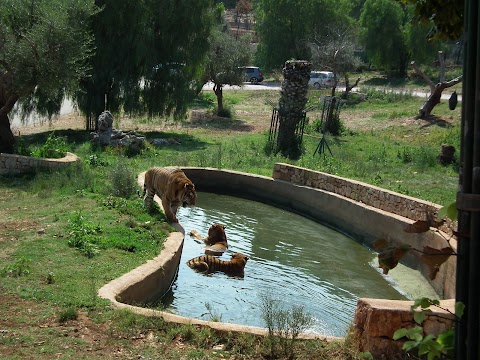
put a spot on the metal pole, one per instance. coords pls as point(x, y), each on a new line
point(468, 204)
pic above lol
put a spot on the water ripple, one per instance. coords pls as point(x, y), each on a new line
point(291, 259)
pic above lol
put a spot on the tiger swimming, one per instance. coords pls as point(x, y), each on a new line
point(209, 264)
point(216, 240)
point(172, 186)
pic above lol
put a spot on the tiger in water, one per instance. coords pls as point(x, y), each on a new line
point(216, 240)
point(209, 264)
point(172, 186)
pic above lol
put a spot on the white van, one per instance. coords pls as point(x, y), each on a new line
point(321, 79)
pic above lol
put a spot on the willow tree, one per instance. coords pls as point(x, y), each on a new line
point(149, 56)
point(44, 47)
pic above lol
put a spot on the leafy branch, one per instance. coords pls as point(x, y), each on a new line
point(430, 345)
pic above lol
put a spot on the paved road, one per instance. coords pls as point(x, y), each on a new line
point(68, 106)
point(277, 86)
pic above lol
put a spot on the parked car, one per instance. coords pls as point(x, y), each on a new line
point(321, 79)
point(252, 74)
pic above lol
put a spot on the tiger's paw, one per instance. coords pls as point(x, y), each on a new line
point(193, 233)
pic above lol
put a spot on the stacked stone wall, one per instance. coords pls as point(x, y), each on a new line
point(18, 164)
point(389, 201)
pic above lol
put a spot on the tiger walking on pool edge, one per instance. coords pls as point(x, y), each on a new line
point(172, 186)
point(208, 264)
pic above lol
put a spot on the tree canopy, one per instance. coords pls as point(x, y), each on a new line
point(382, 34)
point(148, 58)
point(224, 58)
point(284, 27)
point(44, 48)
point(446, 16)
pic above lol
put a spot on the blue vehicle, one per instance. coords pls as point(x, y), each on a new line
point(252, 74)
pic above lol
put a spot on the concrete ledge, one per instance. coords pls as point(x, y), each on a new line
point(18, 164)
point(377, 320)
point(150, 280)
point(356, 218)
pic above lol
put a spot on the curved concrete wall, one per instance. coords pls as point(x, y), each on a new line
point(363, 222)
point(18, 164)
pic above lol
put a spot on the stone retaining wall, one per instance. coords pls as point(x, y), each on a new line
point(18, 164)
point(382, 199)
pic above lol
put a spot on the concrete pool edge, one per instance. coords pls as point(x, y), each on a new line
point(126, 291)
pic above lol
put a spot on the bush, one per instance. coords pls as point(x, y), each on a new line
point(123, 181)
point(54, 148)
point(226, 112)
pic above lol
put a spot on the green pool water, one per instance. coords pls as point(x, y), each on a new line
point(292, 260)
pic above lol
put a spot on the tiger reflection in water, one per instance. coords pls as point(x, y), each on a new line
point(209, 264)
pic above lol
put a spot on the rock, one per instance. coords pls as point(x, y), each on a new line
point(106, 135)
point(446, 155)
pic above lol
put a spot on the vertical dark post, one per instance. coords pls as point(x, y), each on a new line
point(467, 337)
point(293, 98)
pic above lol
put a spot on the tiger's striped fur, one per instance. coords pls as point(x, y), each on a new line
point(172, 186)
point(209, 264)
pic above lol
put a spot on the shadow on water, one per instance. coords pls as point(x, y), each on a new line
point(292, 259)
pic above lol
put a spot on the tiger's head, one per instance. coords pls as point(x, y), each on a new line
point(188, 194)
point(239, 259)
point(216, 233)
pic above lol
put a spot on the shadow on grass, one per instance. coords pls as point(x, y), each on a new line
point(220, 124)
point(393, 82)
point(436, 120)
point(76, 138)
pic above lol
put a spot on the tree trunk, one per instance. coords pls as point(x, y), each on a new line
point(293, 98)
point(433, 100)
point(218, 90)
point(436, 92)
point(349, 88)
point(7, 140)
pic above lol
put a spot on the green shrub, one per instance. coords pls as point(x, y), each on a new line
point(67, 315)
point(83, 235)
point(284, 325)
point(123, 181)
point(226, 112)
point(21, 147)
point(20, 267)
point(54, 148)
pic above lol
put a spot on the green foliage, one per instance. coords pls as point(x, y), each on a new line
point(95, 161)
point(84, 235)
point(67, 315)
point(22, 148)
point(386, 95)
point(213, 315)
point(55, 147)
point(284, 325)
point(123, 181)
point(449, 210)
point(45, 45)
point(381, 22)
point(448, 24)
point(20, 267)
point(430, 346)
point(150, 57)
point(284, 26)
